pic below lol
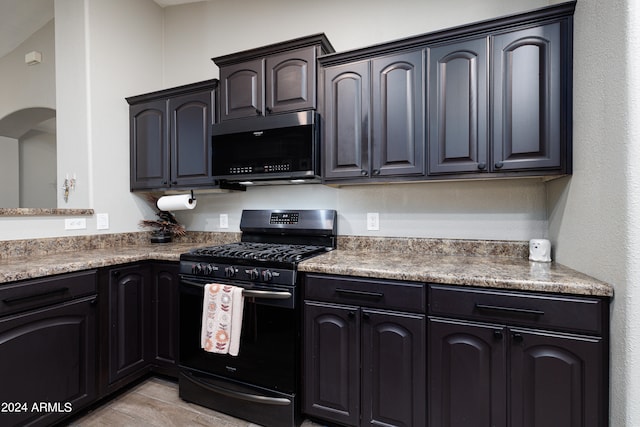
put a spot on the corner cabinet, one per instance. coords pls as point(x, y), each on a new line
point(364, 351)
point(272, 79)
point(170, 137)
point(373, 116)
point(504, 358)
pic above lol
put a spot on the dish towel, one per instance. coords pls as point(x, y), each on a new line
point(222, 318)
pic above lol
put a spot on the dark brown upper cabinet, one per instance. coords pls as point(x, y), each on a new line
point(374, 116)
point(272, 79)
point(486, 100)
point(170, 137)
point(458, 103)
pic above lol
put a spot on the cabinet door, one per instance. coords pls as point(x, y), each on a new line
point(130, 334)
point(346, 120)
point(458, 107)
point(149, 144)
point(557, 380)
point(164, 309)
point(398, 118)
point(393, 368)
point(332, 362)
point(291, 81)
point(527, 99)
point(467, 374)
point(242, 90)
point(48, 356)
point(191, 120)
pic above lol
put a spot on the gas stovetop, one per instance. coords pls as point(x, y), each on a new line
point(254, 251)
point(272, 245)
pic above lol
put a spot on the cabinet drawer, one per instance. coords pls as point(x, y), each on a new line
point(566, 313)
point(366, 292)
point(31, 294)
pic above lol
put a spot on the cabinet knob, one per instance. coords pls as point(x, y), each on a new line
point(115, 273)
point(351, 315)
point(482, 166)
point(517, 337)
point(258, 112)
point(366, 316)
point(497, 334)
point(376, 172)
point(364, 172)
point(269, 110)
point(499, 165)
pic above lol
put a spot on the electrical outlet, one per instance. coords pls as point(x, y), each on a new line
point(75, 223)
point(224, 221)
point(373, 221)
point(102, 221)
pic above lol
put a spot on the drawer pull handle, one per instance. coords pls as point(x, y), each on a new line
point(351, 292)
point(17, 300)
point(512, 310)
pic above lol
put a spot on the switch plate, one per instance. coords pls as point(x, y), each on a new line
point(224, 221)
point(373, 221)
point(75, 223)
point(102, 221)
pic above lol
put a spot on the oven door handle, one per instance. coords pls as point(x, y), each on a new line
point(266, 294)
point(238, 394)
point(250, 293)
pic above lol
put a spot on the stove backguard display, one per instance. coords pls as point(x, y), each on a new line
point(288, 218)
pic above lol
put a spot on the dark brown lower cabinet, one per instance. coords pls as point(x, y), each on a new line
point(126, 321)
point(139, 324)
point(164, 317)
point(47, 348)
point(363, 365)
point(505, 371)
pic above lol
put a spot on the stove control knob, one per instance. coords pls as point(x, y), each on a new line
point(197, 269)
point(229, 271)
point(209, 270)
point(254, 274)
point(266, 276)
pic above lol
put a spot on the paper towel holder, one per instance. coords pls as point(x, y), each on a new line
point(192, 198)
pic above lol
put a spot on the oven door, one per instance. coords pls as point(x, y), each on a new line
point(269, 338)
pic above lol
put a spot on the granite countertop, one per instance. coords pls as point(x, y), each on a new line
point(485, 271)
point(20, 268)
point(468, 263)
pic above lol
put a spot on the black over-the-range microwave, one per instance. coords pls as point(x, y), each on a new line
point(275, 149)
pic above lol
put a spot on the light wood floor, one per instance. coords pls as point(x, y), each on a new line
point(155, 402)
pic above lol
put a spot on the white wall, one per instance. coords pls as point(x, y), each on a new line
point(9, 172)
point(26, 86)
point(514, 210)
point(595, 215)
point(38, 188)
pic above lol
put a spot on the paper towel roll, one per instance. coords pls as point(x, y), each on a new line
point(176, 203)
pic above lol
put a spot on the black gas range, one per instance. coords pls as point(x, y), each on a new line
point(273, 242)
point(262, 383)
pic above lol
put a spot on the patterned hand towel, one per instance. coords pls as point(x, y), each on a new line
point(222, 318)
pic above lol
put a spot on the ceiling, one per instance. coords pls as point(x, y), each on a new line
point(19, 19)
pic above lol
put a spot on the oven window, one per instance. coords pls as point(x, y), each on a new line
point(267, 348)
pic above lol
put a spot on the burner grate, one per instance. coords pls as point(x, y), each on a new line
point(259, 251)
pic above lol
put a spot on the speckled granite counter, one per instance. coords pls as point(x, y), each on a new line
point(27, 259)
point(470, 270)
point(484, 263)
point(461, 262)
